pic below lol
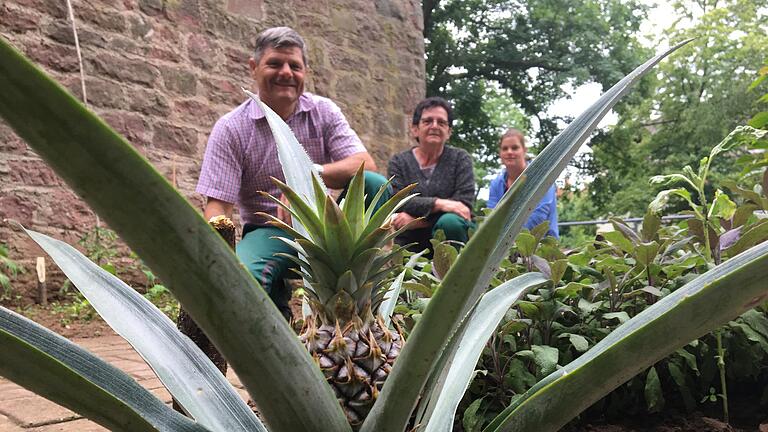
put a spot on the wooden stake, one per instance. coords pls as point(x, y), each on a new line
point(42, 292)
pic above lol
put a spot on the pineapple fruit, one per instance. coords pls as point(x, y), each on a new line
point(345, 267)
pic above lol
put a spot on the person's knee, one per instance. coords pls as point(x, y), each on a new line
point(257, 253)
point(373, 182)
point(264, 270)
point(454, 226)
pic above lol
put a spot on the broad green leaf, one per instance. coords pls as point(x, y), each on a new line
point(558, 270)
point(579, 342)
point(625, 230)
point(540, 230)
point(480, 324)
point(184, 370)
point(618, 239)
point(684, 315)
point(690, 359)
point(757, 321)
point(757, 233)
point(571, 290)
point(652, 290)
point(646, 253)
point(757, 81)
point(588, 307)
point(471, 274)
point(622, 316)
point(651, 224)
point(443, 258)
point(529, 309)
point(654, 396)
point(679, 378)
point(747, 194)
point(471, 420)
point(418, 288)
point(55, 368)
point(759, 120)
point(149, 214)
point(722, 206)
point(545, 357)
point(580, 259)
point(520, 379)
point(750, 334)
point(525, 243)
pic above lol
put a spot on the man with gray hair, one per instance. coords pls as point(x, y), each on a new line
point(241, 155)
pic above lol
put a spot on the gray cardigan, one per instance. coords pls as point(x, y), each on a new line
point(453, 178)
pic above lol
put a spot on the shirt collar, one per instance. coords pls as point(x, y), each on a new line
point(305, 104)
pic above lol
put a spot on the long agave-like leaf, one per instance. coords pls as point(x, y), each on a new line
point(184, 370)
point(703, 304)
point(477, 329)
point(52, 366)
point(201, 270)
point(297, 166)
point(468, 278)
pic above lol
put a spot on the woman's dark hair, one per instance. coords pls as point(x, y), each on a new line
point(431, 102)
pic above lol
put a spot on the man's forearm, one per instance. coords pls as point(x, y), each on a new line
point(214, 207)
point(337, 174)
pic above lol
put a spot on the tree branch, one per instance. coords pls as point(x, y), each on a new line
point(427, 8)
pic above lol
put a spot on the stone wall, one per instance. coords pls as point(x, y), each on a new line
point(161, 72)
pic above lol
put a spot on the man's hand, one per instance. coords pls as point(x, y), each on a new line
point(451, 206)
point(282, 213)
point(215, 207)
point(402, 219)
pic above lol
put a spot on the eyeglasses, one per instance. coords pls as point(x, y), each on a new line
point(427, 121)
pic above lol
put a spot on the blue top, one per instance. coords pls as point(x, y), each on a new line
point(546, 210)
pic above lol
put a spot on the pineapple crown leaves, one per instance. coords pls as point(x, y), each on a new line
point(341, 249)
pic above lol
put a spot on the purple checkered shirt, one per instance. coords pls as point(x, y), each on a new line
point(241, 155)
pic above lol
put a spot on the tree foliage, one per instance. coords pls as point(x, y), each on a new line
point(697, 98)
point(523, 52)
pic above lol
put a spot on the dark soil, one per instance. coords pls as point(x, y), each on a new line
point(695, 422)
point(59, 322)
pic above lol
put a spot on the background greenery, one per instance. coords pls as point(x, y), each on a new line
point(522, 53)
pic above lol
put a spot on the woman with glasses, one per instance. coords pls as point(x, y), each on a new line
point(444, 177)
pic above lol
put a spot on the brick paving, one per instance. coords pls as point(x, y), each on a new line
point(24, 411)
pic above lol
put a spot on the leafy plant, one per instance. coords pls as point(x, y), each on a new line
point(715, 223)
point(9, 269)
point(288, 388)
point(100, 246)
point(606, 282)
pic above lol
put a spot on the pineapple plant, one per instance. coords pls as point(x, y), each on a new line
point(258, 343)
point(343, 259)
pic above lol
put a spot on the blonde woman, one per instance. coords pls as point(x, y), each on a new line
point(512, 154)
